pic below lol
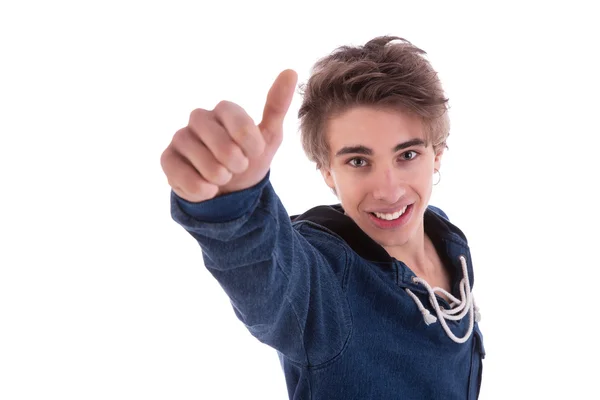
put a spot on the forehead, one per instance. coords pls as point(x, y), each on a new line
point(373, 127)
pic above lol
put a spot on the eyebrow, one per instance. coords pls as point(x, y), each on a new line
point(368, 152)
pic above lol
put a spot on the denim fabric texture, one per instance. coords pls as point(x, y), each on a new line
point(332, 302)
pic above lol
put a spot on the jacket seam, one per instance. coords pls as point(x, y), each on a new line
point(291, 304)
point(287, 298)
point(342, 285)
point(343, 296)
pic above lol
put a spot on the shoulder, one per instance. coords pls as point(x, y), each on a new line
point(438, 211)
point(437, 219)
point(320, 237)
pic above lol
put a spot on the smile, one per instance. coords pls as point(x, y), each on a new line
point(390, 216)
point(392, 220)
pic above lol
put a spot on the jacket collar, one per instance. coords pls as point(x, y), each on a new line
point(332, 219)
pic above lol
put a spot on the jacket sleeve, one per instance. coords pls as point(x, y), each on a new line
point(281, 286)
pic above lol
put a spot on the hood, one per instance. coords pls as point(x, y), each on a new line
point(333, 220)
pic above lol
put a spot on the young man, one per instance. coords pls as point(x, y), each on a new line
point(368, 299)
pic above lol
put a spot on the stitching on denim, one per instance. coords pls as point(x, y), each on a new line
point(344, 298)
point(344, 347)
point(282, 270)
point(297, 227)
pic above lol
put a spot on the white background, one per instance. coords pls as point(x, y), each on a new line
point(103, 296)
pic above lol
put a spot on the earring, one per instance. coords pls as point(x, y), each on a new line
point(439, 176)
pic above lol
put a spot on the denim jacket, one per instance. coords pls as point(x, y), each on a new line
point(347, 320)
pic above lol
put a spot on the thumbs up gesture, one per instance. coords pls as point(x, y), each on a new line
point(223, 150)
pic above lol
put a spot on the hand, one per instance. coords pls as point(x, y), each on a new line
point(223, 150)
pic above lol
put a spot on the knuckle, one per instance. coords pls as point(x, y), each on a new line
point(231, 153)
point(223, 106)
point(164, 159)
point(180, 139)
point(218, 175)
point(193, 186)
point(222, 175)
point(250, 139)
point(245, 132)
point(174, 184)
point(198, 114)
point(203, 190)
point(167, 161)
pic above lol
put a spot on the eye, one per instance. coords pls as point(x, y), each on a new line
point(409, 155)
point(357, 162)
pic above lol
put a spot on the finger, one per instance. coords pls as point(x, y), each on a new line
point(214, 136)
point(278, 102)
point(184, 179)
point(195, 152)
point(240, 127)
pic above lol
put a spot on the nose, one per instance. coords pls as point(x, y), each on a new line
point(388, 186)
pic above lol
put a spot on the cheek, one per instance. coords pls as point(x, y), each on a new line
point(425, 182)
point(426, 187)
point(422, 180)
point(426, 178)
point(349, 190)
point(424, 170)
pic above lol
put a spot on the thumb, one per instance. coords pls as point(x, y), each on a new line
point(278, 102)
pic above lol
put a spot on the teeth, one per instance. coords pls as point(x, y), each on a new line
point(390, 217)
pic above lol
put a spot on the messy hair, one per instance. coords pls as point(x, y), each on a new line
point(388, 72)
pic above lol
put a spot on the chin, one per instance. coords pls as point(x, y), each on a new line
point(396, 241)
point(393, 237)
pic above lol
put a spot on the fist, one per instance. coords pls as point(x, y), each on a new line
point(222, 150)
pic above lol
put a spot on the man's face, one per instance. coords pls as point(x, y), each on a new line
point(381, 171)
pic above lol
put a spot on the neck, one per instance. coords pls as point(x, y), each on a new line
point(416, 253)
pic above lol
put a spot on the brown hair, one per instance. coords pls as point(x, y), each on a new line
point(387, 71)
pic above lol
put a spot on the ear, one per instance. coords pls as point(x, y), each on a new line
point(437, 162)
point(326, 173)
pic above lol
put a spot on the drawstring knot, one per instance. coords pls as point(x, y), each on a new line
point(429, 319)
point(458, 307)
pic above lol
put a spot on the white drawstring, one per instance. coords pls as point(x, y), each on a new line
point(458, 308)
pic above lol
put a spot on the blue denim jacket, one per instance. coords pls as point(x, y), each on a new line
point(332, 302)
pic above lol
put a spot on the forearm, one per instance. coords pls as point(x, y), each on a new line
point(271, 273)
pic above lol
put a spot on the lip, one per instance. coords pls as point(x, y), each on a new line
point(384, 224)
point(390, 210)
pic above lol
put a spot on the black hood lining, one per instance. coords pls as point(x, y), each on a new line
point(333, 219)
